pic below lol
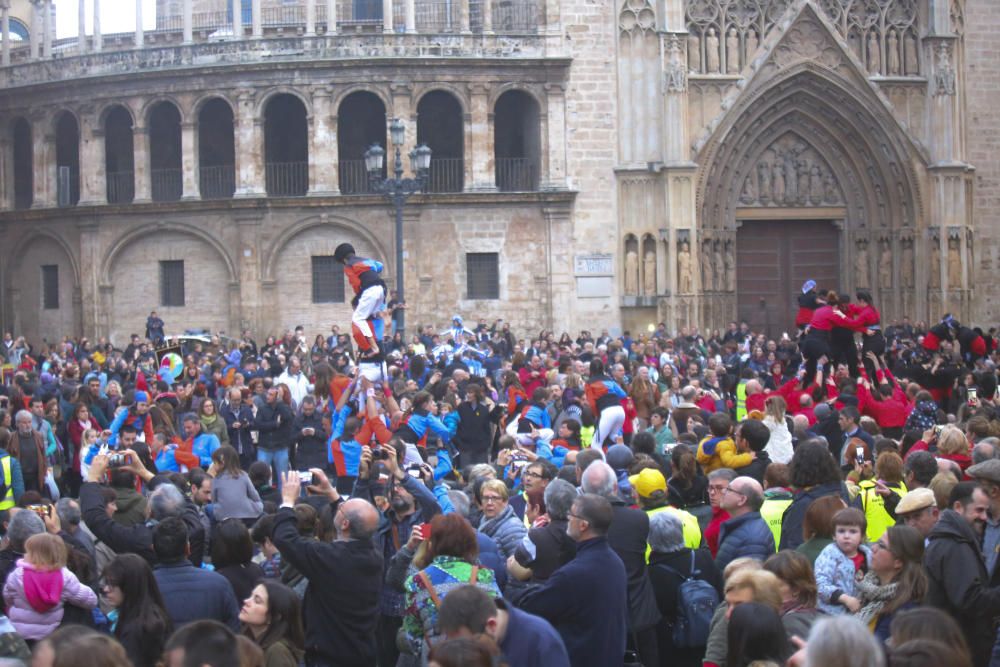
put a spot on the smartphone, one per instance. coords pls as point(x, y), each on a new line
point(859, 454)
point(305, 477)
point(413, 470)
point(119, 460)
point(425, 531)
point(43, 511)
point(973, 393)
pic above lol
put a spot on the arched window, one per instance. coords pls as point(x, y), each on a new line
point(286, 146)
point(216, 150)
point(165, 152)
point(67, 160)
point(439, 125)
point(18, 31)
point(24, 181)
point(517, 141)
point(119, 157)
point(361, 122)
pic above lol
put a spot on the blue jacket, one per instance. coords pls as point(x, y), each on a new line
point(795, 514)
point(835, 576)
point(16, 478)
point(191, 594)
point(420, 423)
point(506, 529)
point(586, 601)
point(166, 461)
point(490, 556)
point(747, 535)
point(531, 641)
point(203, 446)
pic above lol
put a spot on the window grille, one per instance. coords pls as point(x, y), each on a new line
point(50, 287)
point(483, 275)
point(172, 283)
point(327, 280)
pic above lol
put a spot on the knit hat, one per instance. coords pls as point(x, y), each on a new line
point(822, 411)
point(141, 397)
point(648, 482)
point(808, 285)
point(619, 457)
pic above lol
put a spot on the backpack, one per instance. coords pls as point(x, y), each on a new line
point(696, 603)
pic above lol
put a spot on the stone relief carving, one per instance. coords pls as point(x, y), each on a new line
point(865, 25)
point(707, 275)
point(790, 173)
point(906, 264)
point(636, 15)
point(676, 76)
point(631, 273)
point(684, 268)
point(694, 53)
point(935, 277)
point(730, 267)
point(719, 264)
point(861, 275)
point(649, 273)
point(954, 264)
point(885, 266)
point(944, 72)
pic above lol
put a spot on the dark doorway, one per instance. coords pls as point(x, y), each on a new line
point(216, 151)
point(24, 181)
point(517, 142)
point(439, 125)
point(67, 160)
point(118, 156)
point(165, 152)
point(286, 146)
point(773, 259)
point(360, 123)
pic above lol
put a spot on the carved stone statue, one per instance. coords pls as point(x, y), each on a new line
point(720, 268)
point(910, 59)
point(730, 268)
point(803, 166)
point(778, 189)
point(874, 57)
point(861, 276)
point(749, 193)
point(752, 45)
point(944, 73)
point(649, 273)
point(816, 185)
point(684, 268)
point(694, 53)
point(707, 276)
point(954, 265)
point(830, 193)
point(791, 178)
point(676, 74)
point(892, 55)
point(885, 267)
point(935, 277)
point(631, 273)
point(712, 51)
point(732, 52)
point(906, 268)
point(764, 172)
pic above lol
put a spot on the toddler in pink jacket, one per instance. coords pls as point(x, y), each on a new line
point(39, 587)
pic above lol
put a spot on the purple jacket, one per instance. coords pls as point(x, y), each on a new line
point(31, 623)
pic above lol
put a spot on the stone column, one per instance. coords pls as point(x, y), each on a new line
point(464, 17)
point(323, 146)
point(189, 161)
point(5, 27)
point(98, 39)
point(47, 28)
point(559, 261)
point(81, 29)
point(93, 185)
point(188, 12)
point(387, 16)
point(43, 166)
point(487, 17)
point(480, 154)
point(238, 19)
point(256, 23)
point(249, 148)
point(411, 16)
point(90, 256)
point(249, 264)
point(140, 162)
point(554, 176)
point(35, 37)
point(310, 17)
point(139, 34)
point(402, 95)
point(331, 17)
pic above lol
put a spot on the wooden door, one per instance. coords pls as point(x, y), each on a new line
point(773, 259)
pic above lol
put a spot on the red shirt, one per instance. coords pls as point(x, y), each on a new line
point(711, 534)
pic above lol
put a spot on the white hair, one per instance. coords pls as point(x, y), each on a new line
point(599, 478)
point(841, 641)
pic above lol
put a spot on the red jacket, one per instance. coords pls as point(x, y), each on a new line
point(887, 413)
point(756, 401)
point(711, 534)
point(863, 317)
point(529, 383)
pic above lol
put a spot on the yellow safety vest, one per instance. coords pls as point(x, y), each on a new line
point(8, 481)
point(741, 400)
point(689, 524)
point(771, 511)
point(873, 506)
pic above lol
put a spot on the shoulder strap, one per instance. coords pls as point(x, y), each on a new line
point(429, 587)
point(474, 577)
point(694, 571)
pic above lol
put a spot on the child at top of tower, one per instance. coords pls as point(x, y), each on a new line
point(365, 276)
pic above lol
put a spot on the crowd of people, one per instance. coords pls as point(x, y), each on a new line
point(467, 497)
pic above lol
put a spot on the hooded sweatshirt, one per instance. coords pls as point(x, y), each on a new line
point(35, 598)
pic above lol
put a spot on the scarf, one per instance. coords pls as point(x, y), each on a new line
point(208, 420)
point(873, 596)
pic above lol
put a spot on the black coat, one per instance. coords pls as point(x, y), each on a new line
point(795, 514)
point(959, 584)
point(474, 433)
point(341, 602)
point(553, 549)
point(666, 585)
point(586, 601)
point(627, 536)
point(310, 450)
point(275, 424)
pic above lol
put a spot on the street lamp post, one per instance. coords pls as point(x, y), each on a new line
point(398, 189)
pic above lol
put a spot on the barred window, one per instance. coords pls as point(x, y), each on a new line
point(172, 283)
point(50, 287)
point(327, 279)
point(483, 275)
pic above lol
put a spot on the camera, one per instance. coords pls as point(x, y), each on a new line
point(305, 477)
point(43, 511)
point(379, 454)
point(119, 460)
point(413, 470)
point(859, 454)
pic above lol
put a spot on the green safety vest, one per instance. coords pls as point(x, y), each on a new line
point(873, 506)
point(771, 511)
point(741, 401)
point(8, 482)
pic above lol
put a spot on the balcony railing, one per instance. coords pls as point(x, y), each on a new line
point(446, 174)
point(210, 20)
point(353, 177)
point(217, 182)
point(167, 184)
point(287, 179)
point(121, 187)
point(439, 16)
point(283, 16)
point(517, 174)
point(515, 16)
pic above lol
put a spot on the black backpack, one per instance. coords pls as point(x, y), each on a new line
point(696, 603)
